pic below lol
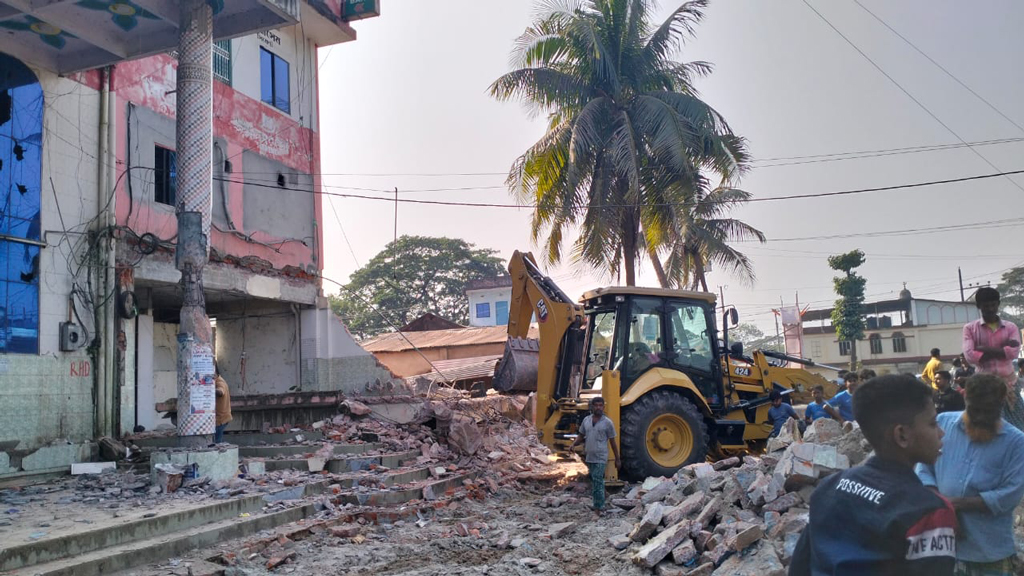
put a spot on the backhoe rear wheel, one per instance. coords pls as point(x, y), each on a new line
point(661, 432)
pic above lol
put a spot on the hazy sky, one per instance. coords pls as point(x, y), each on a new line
point(410, 97)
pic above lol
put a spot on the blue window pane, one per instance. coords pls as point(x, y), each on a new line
point(266, 76)
point(21, 123)
point(23, 318)
point(483, 310)
point(282, 96)
point(501, 312)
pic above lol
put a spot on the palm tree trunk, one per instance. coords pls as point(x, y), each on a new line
point(659, 270)
point(853, 354)
point(699, 278)
point(629, 247)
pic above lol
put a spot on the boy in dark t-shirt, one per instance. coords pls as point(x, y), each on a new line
point(878, 518)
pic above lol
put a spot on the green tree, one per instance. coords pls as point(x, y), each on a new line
point(412, 276)
point(848, 313)
point(754, 339)
point(629, 142)
point(1011, 295)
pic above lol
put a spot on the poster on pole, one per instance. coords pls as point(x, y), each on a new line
point(203, 392)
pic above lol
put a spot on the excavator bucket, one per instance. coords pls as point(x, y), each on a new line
point(517, 369)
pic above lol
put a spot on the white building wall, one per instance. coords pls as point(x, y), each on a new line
point(300, 54)
point(489, 296)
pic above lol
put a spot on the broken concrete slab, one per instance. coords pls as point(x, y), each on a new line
point(78, 468)
point(620, 541)
point(763, 562)
point(355, 408)
point(684, 553)
point(561, 529)
point(216, 463)
point(743, 539)
point(658, 492)
point(648, 524)
point(661, 545)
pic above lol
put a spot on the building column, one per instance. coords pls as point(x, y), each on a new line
point(194, 143)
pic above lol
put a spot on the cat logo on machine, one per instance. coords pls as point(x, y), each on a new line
point(741, 371)
point(542, 311)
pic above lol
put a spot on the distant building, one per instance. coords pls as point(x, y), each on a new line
point(898, 336)
point(488, 301)
point(430, 321)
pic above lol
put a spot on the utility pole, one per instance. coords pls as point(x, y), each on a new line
point(194, 144)
point(960, 273)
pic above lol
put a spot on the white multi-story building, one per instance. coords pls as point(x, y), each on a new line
point(899, 334)
point(488, 301)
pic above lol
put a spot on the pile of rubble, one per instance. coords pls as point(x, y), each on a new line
point(738, 516)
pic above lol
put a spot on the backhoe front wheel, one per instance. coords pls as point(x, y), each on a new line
point(661, 432)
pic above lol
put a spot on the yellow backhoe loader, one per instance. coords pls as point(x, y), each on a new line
point(676, 394)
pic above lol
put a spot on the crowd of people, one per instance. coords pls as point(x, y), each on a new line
point(939, 493)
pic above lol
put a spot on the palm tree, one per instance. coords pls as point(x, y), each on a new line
point(627, 143)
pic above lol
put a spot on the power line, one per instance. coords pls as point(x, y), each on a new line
point(494, 205)
point(940, 66)
point(905, 91)
point(987, 225)
point(780, 161)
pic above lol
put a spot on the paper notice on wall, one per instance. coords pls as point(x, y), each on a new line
point(202, 360)
point(202, 390)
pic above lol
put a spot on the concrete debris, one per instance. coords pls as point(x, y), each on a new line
point(684, 553)
point(112, 450)
point(620, 541)
point(355, 408)
point(169, 477)
point(92, 467)
point(648, 524)
point(661, 545)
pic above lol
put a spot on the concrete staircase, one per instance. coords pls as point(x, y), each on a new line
point(114, 547)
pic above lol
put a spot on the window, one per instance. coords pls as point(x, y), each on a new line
point(644, 347)
point(876, 343)
point(845, 347)
point(599, 356)
point(483, 310)
point(691, 342)
point(274, 87)
point(899, 342)
point(165, 176)
point(501, 313)
point(21, 123)
point(222, 61)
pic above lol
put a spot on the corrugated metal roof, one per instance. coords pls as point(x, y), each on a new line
point(462, 369)
point(400, 341)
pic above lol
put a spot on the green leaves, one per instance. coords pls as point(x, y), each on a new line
point(848, 313)
point(412, 276)
point(628, 144)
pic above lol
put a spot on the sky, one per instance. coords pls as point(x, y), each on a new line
point(406, 106)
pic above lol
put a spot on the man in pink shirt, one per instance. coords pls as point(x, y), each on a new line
point(992, 344)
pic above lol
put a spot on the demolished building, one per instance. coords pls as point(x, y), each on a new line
point(89, 296)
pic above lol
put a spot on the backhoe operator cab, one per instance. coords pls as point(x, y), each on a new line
point(663, 344)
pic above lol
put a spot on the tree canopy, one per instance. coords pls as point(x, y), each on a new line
point(1011, 295)
point(848, 313)
point(412, 276)
point(631, 153)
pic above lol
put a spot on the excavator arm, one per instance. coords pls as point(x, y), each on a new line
point(555, 372)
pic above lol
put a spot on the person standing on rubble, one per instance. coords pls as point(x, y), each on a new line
point(223, 407)
point(840, 407)
point(598, 431)
point(991, 344)
point(981, 472)
point(780, 413)
point(878, 519)
point(816, 409)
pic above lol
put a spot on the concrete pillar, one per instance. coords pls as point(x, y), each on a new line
point(194, 143)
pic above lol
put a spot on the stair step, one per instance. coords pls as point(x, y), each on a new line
point(130, 555)
point(347, 464)
point(302, 449)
